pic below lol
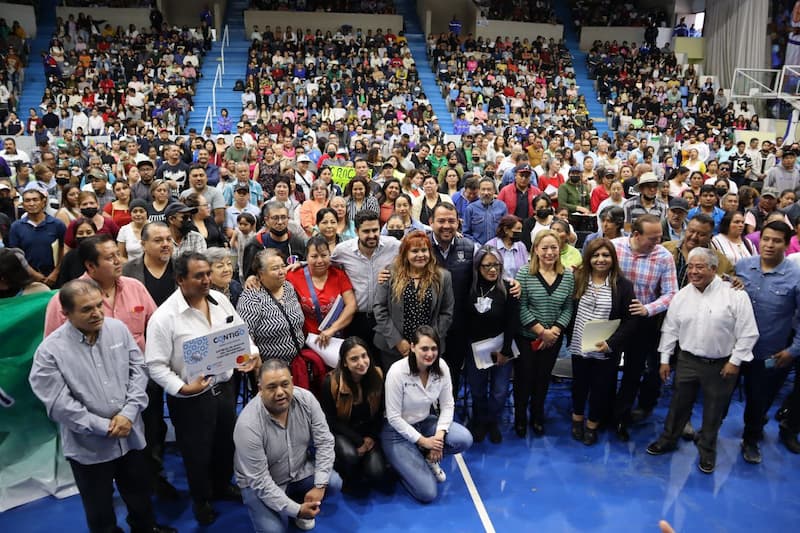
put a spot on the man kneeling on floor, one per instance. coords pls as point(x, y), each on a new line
point(716, 330)
point(273, 468)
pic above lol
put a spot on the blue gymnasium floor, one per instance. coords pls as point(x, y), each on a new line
point(539, 484)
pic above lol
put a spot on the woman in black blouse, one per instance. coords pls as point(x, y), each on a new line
point(492, 312)
point(418, 293)
point(352, 399)
point(204, 223)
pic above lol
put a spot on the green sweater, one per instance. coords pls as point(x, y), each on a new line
point(537, 305)
point(571, 197)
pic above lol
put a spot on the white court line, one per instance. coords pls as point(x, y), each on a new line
point(473, 492)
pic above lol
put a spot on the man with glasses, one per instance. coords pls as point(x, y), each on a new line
point(276, 235)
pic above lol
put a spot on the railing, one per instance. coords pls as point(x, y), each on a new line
point(225, 41)
point(207, 121)
point(211, 112)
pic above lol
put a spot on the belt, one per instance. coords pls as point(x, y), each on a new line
point(367, 314)
point(706, 360)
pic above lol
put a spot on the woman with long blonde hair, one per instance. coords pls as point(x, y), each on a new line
point(418, 293)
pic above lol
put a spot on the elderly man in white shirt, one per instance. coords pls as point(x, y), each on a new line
point(716, 329)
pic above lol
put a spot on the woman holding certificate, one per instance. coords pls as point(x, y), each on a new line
point(602, 294)
point(323, 289)
point(275, 319)
point(418, 293)
point(493, 317)
point(545, 312)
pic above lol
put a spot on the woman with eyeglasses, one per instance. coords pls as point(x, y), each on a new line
point(414, 440)
point(493, 312)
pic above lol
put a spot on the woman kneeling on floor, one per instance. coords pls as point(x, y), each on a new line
point(413, 439)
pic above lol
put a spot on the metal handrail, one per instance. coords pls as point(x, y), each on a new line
point(225, 41)
point(207, 120)
point(217, 81)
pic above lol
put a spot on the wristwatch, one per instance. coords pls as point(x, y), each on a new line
point(324, 486)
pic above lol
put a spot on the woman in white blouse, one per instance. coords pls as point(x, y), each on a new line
point(730, 240)
point(414, 440)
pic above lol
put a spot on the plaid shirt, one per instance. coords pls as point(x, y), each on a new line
point(653, 275)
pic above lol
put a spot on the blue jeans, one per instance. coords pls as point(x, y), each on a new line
point(265, 520)
point(410, 464)
point(489, 390)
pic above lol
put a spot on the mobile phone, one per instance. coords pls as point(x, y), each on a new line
point(769, 363)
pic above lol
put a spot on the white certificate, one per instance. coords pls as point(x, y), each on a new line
point(482, 350)
point(330, 353)
point(217, 352)
point(595, 331)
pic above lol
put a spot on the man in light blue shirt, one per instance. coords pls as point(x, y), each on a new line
point(773, 285)
point(482, 217)
point(90, 375)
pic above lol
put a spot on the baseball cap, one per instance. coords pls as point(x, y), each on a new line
point(303, 159)
point(770, 191)
point(145, 163)
point(4, 187)
point(610, 172)
point(177, 207)
point(525, 168)
point(36, 186)
point(387, 165)
point(679, 203)
point(241, 187)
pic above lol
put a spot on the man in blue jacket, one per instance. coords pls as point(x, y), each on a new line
point(481, 218)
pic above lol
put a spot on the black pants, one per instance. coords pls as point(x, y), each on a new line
point(363, 325)
point(595, 380)
point(96, 486)
point(371, 467)
point(387, 359)
point(204, 433)
point(640, 369)
point(456, 347)
point(532, 371)
point(155, 429)
point(761, 385)
point(691, 375)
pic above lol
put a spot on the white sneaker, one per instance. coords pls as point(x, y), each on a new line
point(438, 473)
point(305, 524)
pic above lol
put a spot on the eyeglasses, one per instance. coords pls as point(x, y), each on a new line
point(278, 218)
point(491, 266)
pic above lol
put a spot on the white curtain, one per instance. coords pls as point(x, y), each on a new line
point(735, 36)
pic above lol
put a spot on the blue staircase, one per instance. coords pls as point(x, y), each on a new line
point(34, 83)
point(235, 67)
point(416, 43)
point(586, 85)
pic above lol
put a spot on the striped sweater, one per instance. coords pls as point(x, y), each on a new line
point(542, 304)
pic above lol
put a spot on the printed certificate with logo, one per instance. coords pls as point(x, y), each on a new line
point(217, 352)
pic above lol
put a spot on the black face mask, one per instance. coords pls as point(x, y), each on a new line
point(489, 174)
point(62, 181)
point(331, 154)
point(516, 236)
point(721, 191)
point(89, 212)
point(279, 232)
point(575, 178)
point(186, 226)
point(544, 213)
point(396, 233)
point(79, 240)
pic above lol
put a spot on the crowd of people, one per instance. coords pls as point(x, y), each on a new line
point(14, 50)
point(540, 11)
point(337, 6)
point(607, 13)
point(102, 80)
point(378, 269)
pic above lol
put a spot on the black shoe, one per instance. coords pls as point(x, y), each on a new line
point(204, 513)
point(782, 414)
point(660, 447)
point(688, 433)
point(495, 437)
point(706, 464)
point(229, 493)
point(521, 429)
point(538, 429)
point(789, 439)
point(478, 431)
point(751, 453)
point(590, 436)
point(622, 433)
point(164, 490)
point(577, 430)
point(639, 415)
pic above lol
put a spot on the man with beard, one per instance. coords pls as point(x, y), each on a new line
point(141, 189)
point(276, 235)
point(212, 171)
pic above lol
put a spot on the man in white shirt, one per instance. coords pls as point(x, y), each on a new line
point(202, 408)
point(715, 327)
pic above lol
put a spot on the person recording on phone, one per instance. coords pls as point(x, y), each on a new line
point(273, 467)
point(773, 285)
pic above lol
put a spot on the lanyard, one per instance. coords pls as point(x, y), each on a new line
point(313, 293)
